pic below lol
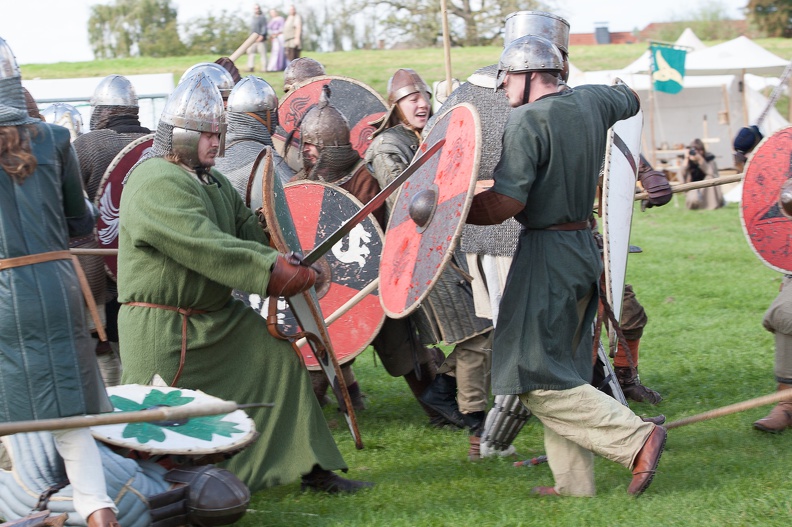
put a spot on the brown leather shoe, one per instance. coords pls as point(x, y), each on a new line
point(646, 461)
point(103, 518)
point(658, 419)
point(545, 491)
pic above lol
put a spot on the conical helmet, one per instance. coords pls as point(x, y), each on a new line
point(405, 82)
point(195, 106)
point(8, 63)
point(64, 115)
point(252, 95)
point(115, 90)
point(529, 53)
point(323, 125)
point(216, 73)
point(299, 70)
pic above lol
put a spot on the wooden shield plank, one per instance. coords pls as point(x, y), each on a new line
point(318, 209)
point(304, 306)
point(622, 157)
point(357, 102)
point(108, 197)
point(195, 436)
point(438, 196)
point(768, 231)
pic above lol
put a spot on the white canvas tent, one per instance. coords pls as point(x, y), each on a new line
point(152, 90)
point(687, 39)
point(735, 57)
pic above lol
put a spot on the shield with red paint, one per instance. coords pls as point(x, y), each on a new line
point(348, 270)
point(769, 232)
point(427, 219)
point(357, 102)
point(108, 197)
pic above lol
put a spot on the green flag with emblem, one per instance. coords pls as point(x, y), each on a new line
point(668, 67)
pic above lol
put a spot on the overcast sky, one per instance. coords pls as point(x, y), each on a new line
point(44, 31)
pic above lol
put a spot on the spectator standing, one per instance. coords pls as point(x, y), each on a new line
point(277, 61)
point(258, 25)
point(292, 34)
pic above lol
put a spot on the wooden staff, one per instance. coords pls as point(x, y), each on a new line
point(244, 47)
point(785, 395)
point(165, 413)
point(697, 184)
point(446, 47)
point(94, 252)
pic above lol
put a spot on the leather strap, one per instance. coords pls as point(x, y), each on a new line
point(185, 313)
point(571, 226)
point(30, 259)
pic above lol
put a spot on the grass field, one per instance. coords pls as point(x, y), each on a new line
point(705, 293)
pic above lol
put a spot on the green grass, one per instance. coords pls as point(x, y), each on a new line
point(704, 347)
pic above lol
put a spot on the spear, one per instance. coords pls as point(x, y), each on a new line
point(162, 413)
point(785, 395)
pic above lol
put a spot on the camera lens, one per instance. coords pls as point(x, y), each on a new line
point(692, 151)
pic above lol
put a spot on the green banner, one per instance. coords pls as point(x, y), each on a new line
point(668, 68)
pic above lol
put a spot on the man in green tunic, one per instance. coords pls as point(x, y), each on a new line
point(186, 240)
point(546, 178)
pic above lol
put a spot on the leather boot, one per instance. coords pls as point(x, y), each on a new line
point(475, 423)
point(441, 397)
point(356, 396)
point(633, 389)
point(322, 480)
point(320, 385)
point(780, 417)
point(103, 518)
point(419, 386)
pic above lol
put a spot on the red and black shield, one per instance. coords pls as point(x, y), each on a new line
point(427, 218)
point(108, 197)
point(359, 103)
point(348, 269)
point(769, 232)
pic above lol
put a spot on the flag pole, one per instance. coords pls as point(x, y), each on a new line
point(652, 106)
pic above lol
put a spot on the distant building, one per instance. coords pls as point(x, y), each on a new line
point(602, 35)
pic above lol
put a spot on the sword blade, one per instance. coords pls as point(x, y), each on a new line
point(372, 205)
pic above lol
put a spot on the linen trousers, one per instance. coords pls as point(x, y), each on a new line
point(579, 423)
point(470, 363)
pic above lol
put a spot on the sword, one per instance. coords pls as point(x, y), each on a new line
point(372, 205)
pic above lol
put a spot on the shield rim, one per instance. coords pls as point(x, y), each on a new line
point(449, 253)
point(742, 199)
point(102, 185)
point(352, 355)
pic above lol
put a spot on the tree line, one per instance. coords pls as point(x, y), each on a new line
point(149, 28)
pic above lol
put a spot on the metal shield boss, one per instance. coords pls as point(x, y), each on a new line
point(357, 102)
point(195, 436)
point(765, 226)
point(108, 197)
point(430, 211)
point(304, 306)
point(319, 209)
point(622, 156)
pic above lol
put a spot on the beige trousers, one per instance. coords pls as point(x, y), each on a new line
point(579, 423)
point(470, 364)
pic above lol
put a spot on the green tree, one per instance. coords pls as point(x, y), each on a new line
point(216, 34)
point(128, 28)
point(707, 22)
point(419, 22)
point(773, 17)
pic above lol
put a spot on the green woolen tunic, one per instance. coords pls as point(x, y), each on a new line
point(187, 244)
point(552, 152)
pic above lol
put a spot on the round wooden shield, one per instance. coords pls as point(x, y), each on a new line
point(282, 170)
point(108, 197)
point(768, 231)
point(359, 103)
point(427, 218)
point(196, 436)
point(319, 209)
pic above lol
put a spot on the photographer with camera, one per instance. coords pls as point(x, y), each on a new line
point(700, 166)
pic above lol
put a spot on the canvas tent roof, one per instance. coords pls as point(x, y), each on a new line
point(735, 57)
point(687, 39)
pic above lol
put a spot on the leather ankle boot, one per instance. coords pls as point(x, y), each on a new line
point(780, 417)
point(633, 389)
point(441, 397)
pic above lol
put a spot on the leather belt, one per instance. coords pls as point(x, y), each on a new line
point(571, 226)
point(30, 259)
point(185, 313)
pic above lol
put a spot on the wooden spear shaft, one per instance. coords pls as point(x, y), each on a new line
point(785, 395)
point(94, 252)
point(165, 413)
point(697, 184)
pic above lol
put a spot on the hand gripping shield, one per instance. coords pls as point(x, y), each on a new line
point(108, 197)
point(427, 219)
point(765, 226)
